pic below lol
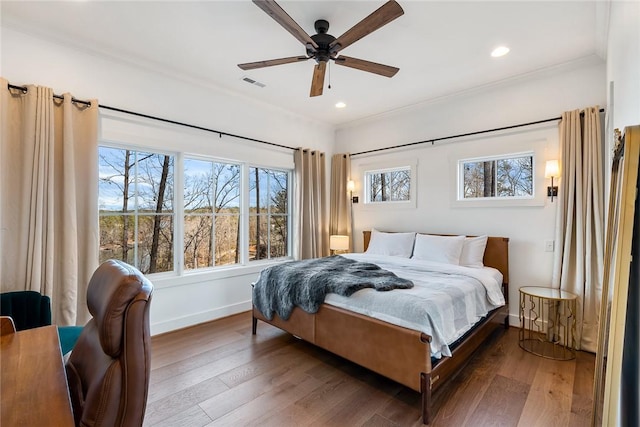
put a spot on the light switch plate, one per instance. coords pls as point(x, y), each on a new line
point(549, 246)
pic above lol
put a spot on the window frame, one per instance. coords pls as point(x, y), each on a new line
point(496, 158)
point(538, 146)
point(178, 212)
point(204, 158)
point(390, 166)
point(289, 255)
point(134, 214)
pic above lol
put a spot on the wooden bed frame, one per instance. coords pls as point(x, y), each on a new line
point(398, 353)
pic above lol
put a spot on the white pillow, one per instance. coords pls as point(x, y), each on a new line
point(392, 244)
point(473, 251)
point(445, 249)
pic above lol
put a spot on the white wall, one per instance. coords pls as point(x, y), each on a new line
point(194, 298)
point(177, 303)
point(623, 62)
point(523, 100)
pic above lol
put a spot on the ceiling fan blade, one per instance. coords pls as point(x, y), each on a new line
point(385, 14)
point(371, 67)
point(272, 62)
point(318, 78)
point(274, 10)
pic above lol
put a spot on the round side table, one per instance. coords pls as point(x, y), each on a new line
point(548, 322)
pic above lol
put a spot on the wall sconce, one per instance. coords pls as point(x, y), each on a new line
point(551, 170)
point(338, 244)
point(350, 187)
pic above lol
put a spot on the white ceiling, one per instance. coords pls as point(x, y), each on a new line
point(441, 47)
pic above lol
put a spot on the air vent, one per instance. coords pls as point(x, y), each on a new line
point(253, 82)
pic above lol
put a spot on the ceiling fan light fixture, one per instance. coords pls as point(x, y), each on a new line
point(323, 47)
point(500, 51)
point(340, 104)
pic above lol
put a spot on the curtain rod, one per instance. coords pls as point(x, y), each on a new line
point(174, 122)
point(24, 89)
point(479, 132)
point(220, 133)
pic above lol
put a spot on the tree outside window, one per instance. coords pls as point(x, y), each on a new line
point(136, 208)
point(211, 213)
point(393, 185)
point(506, 177)
point(268, 213)
point(137, 215)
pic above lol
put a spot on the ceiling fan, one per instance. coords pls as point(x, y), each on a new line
point(324, 47)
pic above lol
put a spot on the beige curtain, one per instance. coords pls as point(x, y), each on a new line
point(49, 211)
point(578, 263)
point(311, 239)
point(340, 204)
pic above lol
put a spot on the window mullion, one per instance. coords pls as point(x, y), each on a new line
point(244, 215)
point(178, 212)
point(268, 225)
point(136, 243)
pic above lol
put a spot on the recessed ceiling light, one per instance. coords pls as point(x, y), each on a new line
point(500, 51)
point(341, 105)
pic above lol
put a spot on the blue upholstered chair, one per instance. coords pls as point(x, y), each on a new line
point(30, 309)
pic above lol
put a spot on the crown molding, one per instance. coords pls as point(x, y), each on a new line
point(577, 63)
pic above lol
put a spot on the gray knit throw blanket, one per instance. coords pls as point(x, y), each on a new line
point(306, 283)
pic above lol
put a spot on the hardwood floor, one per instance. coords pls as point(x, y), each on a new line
point(219, 374)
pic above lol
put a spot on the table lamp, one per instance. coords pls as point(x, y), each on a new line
point(338, 243)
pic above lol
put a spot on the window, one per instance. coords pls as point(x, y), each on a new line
point(136, 208)
point(226, 213)
point(268, 213)
point(211, 213)
point(388, 185)
point(508, 176)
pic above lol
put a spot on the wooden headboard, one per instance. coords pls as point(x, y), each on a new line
point(496, 254)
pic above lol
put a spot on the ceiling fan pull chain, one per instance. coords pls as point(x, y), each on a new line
point(329, 66)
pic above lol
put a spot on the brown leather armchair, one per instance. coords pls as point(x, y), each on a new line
point(108, 370)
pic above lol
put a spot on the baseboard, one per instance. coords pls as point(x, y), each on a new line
point(514, 320)
point(201, 317)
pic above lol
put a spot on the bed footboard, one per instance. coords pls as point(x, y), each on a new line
point(369, 342)
point(378, 346)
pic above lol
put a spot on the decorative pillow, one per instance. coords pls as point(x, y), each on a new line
point(392, 244)
point(473, 251)
point(445, 249)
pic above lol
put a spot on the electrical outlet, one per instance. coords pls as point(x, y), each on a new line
point(548, 246)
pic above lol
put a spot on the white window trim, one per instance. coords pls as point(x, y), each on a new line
point(141, 148)
point(242, 261)
point(245, 251)
point(460, 182)
point(539, 187)
point(389, 166)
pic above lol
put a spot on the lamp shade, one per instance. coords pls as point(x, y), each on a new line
point(339, 243)
point(351, 185)
point(551, 169)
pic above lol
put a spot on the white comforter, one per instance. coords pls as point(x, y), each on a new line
point(445, 302)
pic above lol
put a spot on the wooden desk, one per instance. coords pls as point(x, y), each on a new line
point(33, 383)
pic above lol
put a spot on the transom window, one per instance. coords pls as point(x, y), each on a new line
point(388, 185)
point(509, 176)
